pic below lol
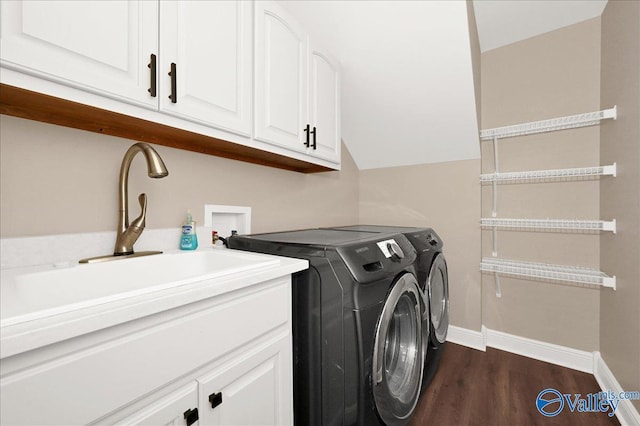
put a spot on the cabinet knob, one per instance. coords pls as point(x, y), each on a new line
point(215, 399)
point(191, 416)
point(314, 132)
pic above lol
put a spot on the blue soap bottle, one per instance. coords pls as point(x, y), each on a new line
point(188, 238)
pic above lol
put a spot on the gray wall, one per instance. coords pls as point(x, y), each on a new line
point(444, 196)
point(620, 197)
point(551, 75)
point(57, 180)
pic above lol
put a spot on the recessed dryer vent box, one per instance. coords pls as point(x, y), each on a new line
point(223, 219)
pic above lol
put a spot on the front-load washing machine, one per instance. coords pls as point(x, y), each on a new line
point(432, 274)
point(358, 335)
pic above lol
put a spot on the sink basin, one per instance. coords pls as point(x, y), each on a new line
point(32, 295)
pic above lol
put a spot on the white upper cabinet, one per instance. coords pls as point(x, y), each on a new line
point(209, 45)
point(236, 72)
point(100, 46)
point(297, 87)
point(324, 106)
point(281, 78)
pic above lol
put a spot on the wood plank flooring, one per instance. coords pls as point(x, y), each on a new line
point(499, 388)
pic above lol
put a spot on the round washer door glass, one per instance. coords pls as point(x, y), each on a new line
point(398, 359)
point(438, 289)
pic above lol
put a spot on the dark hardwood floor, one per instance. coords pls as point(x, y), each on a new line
point(499, 388)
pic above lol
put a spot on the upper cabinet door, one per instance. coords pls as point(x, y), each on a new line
point(324, 106)
point(281, 99)
point(100, 46)
point(210, 44)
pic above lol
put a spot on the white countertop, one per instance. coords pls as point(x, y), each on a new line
point(45, 305)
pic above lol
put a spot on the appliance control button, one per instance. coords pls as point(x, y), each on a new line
point(395, 251)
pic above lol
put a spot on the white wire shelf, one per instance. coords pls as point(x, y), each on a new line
point(547, 271)
point(550, 125)
point(552, 224)
point(545, 175)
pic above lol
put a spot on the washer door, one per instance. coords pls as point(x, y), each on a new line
point(398, 359)
point(438, 290)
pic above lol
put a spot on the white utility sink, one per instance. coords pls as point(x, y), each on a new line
point(28, 295)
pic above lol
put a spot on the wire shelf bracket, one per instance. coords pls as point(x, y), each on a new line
point(536, 175)
point(550, 125)
point(547, 271)
point(550, 224)
point(499, 266)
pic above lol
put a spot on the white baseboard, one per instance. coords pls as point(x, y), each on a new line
point(465, 337)
point(542, 351)
point(626, 411)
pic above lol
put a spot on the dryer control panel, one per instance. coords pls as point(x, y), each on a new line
point(373, 260)
point(391, 249)
point(425, 240)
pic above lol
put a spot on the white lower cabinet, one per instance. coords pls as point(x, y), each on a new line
point(225, 360)
point(247, 391)
point(169, 410)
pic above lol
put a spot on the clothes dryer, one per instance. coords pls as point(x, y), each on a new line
point(358, 335)
point(433, 279)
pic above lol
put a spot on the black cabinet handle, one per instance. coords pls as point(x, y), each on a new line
point(174, 85)
point(215, 399)
point(314, 138)
point(191, 416)
point(306, 129)
point(152, 73)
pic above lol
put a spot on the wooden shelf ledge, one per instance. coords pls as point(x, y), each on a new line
point(23, 103)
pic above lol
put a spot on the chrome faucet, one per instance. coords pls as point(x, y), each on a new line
point(128, 233)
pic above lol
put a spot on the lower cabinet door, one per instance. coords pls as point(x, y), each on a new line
point(255, 389)
point(179, 408)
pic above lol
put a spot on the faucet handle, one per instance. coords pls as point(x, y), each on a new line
point(128, 238)
point(139, 222)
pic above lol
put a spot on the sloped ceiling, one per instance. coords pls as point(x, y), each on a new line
point(503, 22)
point(407, 81)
